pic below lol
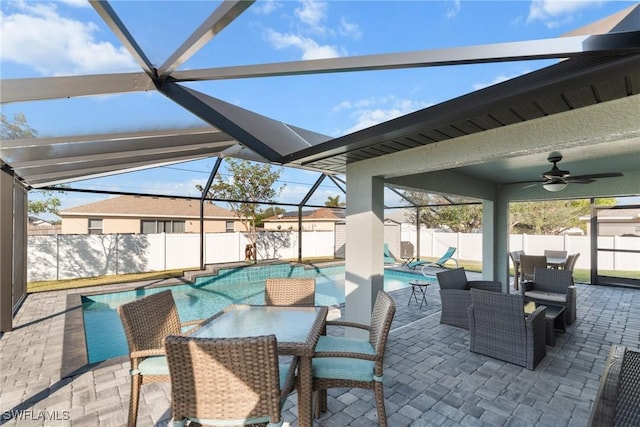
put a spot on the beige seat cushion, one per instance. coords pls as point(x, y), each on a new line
point(547, 296)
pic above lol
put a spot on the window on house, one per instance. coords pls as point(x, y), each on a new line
point(151, 226)
point(95, 226)
point(229, 227)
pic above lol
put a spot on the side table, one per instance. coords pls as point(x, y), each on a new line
point(421, 286)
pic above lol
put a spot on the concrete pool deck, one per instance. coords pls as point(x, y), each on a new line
point(431, 378)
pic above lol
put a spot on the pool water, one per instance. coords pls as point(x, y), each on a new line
point(208, 295)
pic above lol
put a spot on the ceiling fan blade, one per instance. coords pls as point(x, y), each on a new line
point(576, 180)
point(531, 185)
point(595, 176)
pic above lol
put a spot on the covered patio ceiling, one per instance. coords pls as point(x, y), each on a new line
point(600, 63)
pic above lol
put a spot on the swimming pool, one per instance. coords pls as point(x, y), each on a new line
point(208, 295)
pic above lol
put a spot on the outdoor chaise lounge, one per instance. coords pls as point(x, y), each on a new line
point(455, 295)
point(499, 328)
point(388, 258)
point(553, 287)
point(448, 256)
point(617, 402)
point(227, 381)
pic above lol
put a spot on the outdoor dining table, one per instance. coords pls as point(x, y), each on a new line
point(556, 262)
point(296, 328)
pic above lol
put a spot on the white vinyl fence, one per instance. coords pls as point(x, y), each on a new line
point(66, 256)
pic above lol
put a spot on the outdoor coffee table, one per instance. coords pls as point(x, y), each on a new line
point(554, 319)
point(421, 286)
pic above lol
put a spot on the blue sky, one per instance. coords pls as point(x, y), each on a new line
point(47, 38)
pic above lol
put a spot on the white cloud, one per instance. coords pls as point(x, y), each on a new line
point(453, 9)
point(266, 7)
point(498, 79)
point(372, 111)
point(76, 3)
point(39, 37)
point(554, 13)
point(310, 48)
point(313, 14)
point(349, 29)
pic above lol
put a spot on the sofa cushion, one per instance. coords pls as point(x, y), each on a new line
point(546, 296)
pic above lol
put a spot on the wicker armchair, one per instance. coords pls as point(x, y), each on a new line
point(227, 381)
point(355, 363)
point(500, 329)
point(456, 298)
point(146, 322)
point(290, 291)
point(616, 403)
point(552, 287)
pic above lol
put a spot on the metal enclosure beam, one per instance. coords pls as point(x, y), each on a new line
point(561, 47)
point(41, 88)
point(205, 191)
point(111, 18)
point(216, 22)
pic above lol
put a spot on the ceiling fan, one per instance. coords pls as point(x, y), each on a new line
point(557, 179)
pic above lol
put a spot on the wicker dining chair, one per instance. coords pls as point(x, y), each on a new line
point(528, 264)
point(227, 381)
point(290, 291)
point(146, 322)
point(355, 363)
point(570, 265)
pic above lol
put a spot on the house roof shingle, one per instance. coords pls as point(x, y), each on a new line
point(149, 207)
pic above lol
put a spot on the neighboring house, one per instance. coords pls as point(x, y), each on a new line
point(134, 214)
point(38, 226)
point(616, 222)
point(323, 219)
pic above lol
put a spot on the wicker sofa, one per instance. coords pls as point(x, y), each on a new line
point(455, 295)
point(500, 329)
point(617, 403)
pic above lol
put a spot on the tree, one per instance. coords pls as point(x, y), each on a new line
point(537, 217)
point(18, 128)
point(551, 217)
point(268, 213)
point(333, 202)
point(249, 185)
point(442, 214)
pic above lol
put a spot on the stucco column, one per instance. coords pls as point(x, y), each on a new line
point(495, 241)
point(364, 263)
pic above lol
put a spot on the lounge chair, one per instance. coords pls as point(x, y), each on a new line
point(448, 256)
point(388, 258)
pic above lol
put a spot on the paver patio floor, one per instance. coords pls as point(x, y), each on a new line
point(431, 377)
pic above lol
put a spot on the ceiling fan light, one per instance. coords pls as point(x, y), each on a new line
point(554, 186)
